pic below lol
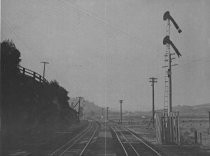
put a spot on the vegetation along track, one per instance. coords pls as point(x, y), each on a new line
point(132, 144)
point(78, 144)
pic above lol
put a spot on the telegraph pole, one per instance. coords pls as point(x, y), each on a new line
point(44, 63)
point(102, 113)
point(121, 101)
point(107, 113)
point(78, 113)
point(209, 123)
point(153, 80)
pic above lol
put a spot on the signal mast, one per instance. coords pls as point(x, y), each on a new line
point(168, 58)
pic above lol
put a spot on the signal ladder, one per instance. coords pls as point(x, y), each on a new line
point(166, 89)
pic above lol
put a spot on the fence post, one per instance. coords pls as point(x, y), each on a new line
point(163, 134)
point(178, 129)
point(34, 75)
point(40, 78)
point(209, 123)
point(201, 138)
point(23, 71)
point(196, 136)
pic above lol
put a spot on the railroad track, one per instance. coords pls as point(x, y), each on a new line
point(132, 144)
point(78, 144)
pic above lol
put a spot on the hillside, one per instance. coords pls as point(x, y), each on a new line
point(197, 110)
point(184, 111)
point(189, 111)
point(30, 107)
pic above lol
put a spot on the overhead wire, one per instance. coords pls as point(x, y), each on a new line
point(14, 33)
point(97, 18)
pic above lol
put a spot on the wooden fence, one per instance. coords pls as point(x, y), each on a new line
point(158, 128)
point(37, 77)
point(167, 128)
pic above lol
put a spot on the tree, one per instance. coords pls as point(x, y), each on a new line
point(10, 59)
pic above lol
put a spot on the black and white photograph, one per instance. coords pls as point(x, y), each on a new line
point(105, 78)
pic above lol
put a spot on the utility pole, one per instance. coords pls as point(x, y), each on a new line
point(121, 101)
point(209, 122)
point(153, 80)
point(44, 63)
point(102, 113)
point(78, 113)
point(107, 113)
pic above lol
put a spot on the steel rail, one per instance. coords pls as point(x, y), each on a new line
point(129, 143)
point(71, 140)
point(75, 141)
point(135, 135)
point(91, 138)
point(126, 153)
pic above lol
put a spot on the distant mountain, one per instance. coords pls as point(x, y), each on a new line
point(197, 110)
point(91, 109)
point(203, 106)
point(185, 111)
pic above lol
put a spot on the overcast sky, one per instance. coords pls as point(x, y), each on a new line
point(105, 50)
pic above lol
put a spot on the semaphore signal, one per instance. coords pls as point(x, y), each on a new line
point(168, 58)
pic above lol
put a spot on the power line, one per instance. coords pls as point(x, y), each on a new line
point(14, 33)
point(100, 19)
